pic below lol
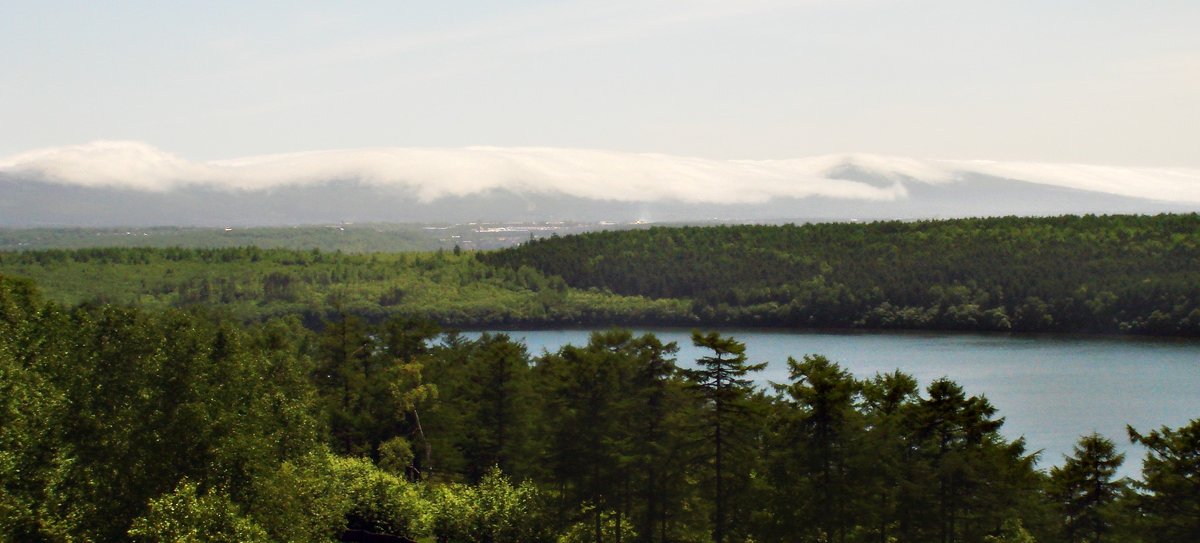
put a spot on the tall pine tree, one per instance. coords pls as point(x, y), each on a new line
point(721, 381)
point(1084, 490)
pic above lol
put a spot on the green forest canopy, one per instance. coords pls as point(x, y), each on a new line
point(1111, 274)
point(155, 425)
point(254, 284)
point(1064, 274)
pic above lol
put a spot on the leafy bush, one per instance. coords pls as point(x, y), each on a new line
point(379, 501)
point(302, 501)
point(189, 516)
point(613, 527)
point(495, 511)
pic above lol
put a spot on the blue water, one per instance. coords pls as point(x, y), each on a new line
point(1050, 389)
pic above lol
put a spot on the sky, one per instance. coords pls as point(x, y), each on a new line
point(1077, 82)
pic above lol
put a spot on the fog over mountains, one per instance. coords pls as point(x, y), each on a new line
point(135, 184)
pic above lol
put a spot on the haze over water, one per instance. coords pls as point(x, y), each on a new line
point(1049, 389)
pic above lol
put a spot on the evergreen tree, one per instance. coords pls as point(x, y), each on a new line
point(613, 413)
point(499, 403)
point(721, 381)
point(959, 460)
point(1170, 487)
point(887, 400)
point(1084, 490)
point(345, 367)
point(585, 423)
point(657, 406)
point(824, 430)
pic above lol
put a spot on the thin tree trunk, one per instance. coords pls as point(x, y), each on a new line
point(597, 506)
point(719, 529)
point(428, 460)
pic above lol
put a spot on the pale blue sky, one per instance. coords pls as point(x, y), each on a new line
point(1099, 82)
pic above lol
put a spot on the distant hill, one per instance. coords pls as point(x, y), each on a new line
point(1099, 274)
point(1056, 274)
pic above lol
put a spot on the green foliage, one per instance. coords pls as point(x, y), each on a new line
point(253, 284)
point(302, 501)
point(167, 425)
point(818, 439)
point(615, 426)
point(1111, 274)
point(1011, 532)
point(874, 460)
point(483, 417)
point(107, 408)
point(159, 397)
point(1107, 274)
point(187, 516)
point(396, 456)
point(500, 421)
point(28, 406)
point(1170, 486)
point(610, 526)
point(380, 501)
point(1084, 489)
point(721, 382)
point(494, 510)
point(963, 469)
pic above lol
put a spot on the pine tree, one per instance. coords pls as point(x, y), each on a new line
point(1084, 490)
point(887, 400)
point(823, 428)
point(499, 419)
point(586, 429)
point(957, 437)
point(1170, 494)
point(721, 381)
point(345, 378)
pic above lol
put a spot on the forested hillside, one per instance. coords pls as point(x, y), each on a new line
point(1113, 274)
point(1105, 274)
point(253, 284)
point(160, 425)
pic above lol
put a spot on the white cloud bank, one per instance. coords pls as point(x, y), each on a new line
point(433, 173)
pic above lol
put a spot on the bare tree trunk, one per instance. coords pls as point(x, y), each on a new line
point(428, 460)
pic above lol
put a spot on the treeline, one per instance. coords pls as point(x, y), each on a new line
point(256, 284)
point(127, 424)
point(1111, 274)
point(350, 238)
point(1127, 274)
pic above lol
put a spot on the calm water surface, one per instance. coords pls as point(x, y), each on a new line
point(1049, 389)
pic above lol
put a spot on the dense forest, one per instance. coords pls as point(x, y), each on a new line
point(258, 394)
point(1110, 274)
point(256, 284)
point(1100, 274)
point(155, 425)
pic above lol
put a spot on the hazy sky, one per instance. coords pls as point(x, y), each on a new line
point(1095, 81)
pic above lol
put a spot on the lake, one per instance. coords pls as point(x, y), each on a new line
point(1049, 389)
